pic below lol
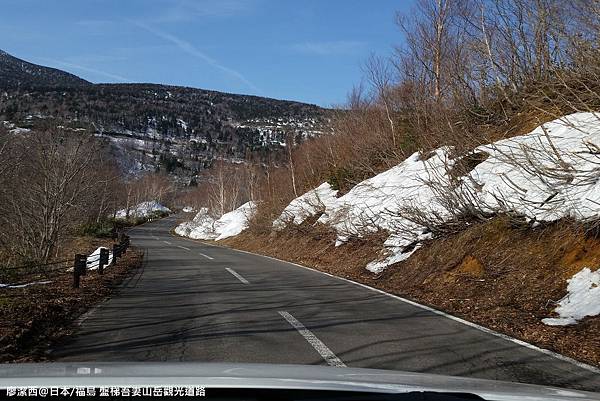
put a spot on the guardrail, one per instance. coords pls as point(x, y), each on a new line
point(104, 258)
point(80, 264)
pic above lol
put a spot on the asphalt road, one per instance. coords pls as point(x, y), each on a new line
point(196, 302)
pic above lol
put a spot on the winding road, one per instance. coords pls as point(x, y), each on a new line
point(196, 302)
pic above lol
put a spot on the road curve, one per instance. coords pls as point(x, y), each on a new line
point(196, 302)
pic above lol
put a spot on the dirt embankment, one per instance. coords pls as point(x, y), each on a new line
point(34, 317)
point(503, 277)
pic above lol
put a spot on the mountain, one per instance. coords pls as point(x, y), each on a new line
point(153, 127)
point(17, 73)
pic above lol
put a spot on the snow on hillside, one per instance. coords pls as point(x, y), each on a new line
point(144, 209)
point(307, 205)
point(582, 299)
point(550, 173)
point(376, 203)
point(205, 227)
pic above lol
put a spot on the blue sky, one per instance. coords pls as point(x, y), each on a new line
point(306, 50)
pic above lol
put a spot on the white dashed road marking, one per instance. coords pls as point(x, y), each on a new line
point(206, 256)
point(183, 247)
point(236, 274)
point(167, 242)
point(317, 344)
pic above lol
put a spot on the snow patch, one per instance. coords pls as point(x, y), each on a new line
point(24, 285)
point(93, 260)
point(377, 203)
point(203, 226)
point(307, 205)
point(582, 299)
point(234, 222)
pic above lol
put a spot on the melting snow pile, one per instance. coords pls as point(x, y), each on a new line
point(205, 227)
point(582, 299)
point(311, 203)
point(144, 209)
point(201, 227)
point(550, 173)
point(93, 260)
point(377, 203)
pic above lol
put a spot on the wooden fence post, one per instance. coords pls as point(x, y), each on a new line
point(115, 253)
point(79, 267)
point(103, 260)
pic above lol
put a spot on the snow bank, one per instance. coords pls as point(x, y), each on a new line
point(582, 299)
point(202, 226)
point(550, 173)
point(188, 209)
point(205, 227)
point(234, 222)
point(307, 205)
point(144, 209)
point(93, 260)
point(376, 204)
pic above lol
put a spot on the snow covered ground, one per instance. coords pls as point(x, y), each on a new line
point(377, 204)
point(548, 174)
point(205, 227)
point(144, 209)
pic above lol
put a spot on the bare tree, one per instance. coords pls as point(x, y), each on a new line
point(50, 190)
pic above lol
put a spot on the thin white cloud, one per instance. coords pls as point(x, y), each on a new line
point(171, 11)
point(195, 52)
point(64, 64)
point(339, 47)
point(186, 10)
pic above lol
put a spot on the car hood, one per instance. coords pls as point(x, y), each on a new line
point(269, 376)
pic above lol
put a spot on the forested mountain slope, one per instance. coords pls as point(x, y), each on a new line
point(154, 127)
